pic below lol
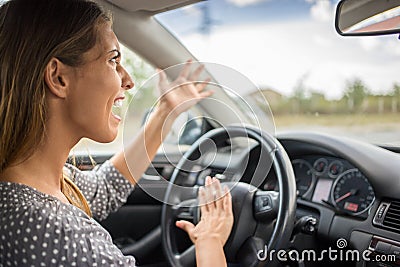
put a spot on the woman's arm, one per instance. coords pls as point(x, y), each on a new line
point(137, 156)
point(214, 228)
point(176, 97)
point(104, 188)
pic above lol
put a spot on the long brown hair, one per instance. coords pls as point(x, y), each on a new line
point(31, 33)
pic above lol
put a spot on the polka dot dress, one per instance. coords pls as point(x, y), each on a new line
point(37, 229)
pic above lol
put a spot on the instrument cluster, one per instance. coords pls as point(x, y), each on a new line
point(335, 182)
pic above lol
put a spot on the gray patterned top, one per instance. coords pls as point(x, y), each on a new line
point(37, 229)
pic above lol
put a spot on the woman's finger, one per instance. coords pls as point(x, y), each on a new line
point(227, 201)
point(206, 94)
point(186, 69)
point(188, 227)
point(202, 201)
point(185, 225)
point(196, 73)
point(209, 194)
point(218, 194)
point(162, 78)
point(201, 85)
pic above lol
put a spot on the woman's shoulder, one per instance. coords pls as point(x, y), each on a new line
point(24, 211)
point(22, 200)
point(43, 229)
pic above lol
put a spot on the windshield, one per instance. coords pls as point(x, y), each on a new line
point(313, 78)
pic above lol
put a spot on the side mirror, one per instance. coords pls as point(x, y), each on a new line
point(191, 130)
point(368, 17)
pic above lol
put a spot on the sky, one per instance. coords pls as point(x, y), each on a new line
point(282, 44)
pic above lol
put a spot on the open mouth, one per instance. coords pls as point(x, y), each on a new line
point(117, 108)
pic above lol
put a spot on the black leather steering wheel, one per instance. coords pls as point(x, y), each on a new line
point(261, 218)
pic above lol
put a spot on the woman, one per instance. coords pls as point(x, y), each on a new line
point(60, 75)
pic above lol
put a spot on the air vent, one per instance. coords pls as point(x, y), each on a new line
point(392, 217)
point(388, 215)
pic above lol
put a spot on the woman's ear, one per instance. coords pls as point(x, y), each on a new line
point(56, 76)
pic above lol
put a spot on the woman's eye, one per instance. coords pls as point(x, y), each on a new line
point(115, 60)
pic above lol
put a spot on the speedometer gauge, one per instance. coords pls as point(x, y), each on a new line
point(304, 176)
point(352, 193)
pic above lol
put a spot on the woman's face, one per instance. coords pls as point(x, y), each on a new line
point(98, 85)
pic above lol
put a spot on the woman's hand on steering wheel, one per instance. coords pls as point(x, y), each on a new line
point(216, 214)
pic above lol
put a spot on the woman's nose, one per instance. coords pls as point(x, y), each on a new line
point(127, 82)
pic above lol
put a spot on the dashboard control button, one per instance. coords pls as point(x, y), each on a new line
point(383, 247)
point(263, 203)
point(395, 250)
point(306, 225)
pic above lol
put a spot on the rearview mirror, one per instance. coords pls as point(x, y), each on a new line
point(368, 17)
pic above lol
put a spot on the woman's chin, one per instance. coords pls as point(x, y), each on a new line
point(106, 136)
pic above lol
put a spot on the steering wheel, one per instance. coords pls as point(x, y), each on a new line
point(262, 219)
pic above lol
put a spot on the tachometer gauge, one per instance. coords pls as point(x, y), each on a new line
point(335, 168)
point(320, 165)
point(352, 193)
point(304, 176)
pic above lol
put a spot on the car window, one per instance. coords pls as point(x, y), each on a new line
point(313, 78)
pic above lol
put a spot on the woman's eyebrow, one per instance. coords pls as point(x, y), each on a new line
point(115, 50)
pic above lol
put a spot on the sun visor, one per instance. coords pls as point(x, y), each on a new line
point(151, 5)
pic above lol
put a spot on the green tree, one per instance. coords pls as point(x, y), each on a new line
point(299, 100)
point(355, 93)
point(396, 91)
point(395, 94)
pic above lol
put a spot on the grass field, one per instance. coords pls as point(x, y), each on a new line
point(374, 128)
point(338, 119)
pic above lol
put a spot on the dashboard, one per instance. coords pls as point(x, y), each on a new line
point(352, 188)
point(349, 187)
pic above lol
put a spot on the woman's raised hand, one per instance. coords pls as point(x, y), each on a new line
point(183, 93)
